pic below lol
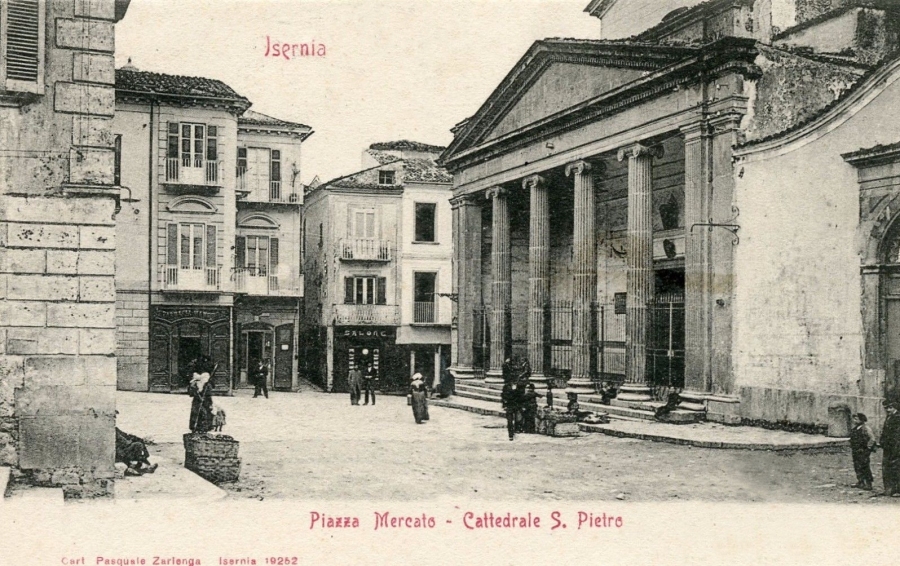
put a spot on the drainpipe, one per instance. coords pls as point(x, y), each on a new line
point(151, 170)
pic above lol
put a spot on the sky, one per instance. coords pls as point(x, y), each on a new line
point(401, 69)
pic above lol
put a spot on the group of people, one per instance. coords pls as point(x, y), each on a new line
point(362, 380)
point(862, 445)
point(519, 398)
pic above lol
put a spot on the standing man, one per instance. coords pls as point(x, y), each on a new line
point(862, 443)
point(369, 377)
point(509, 399)
point(355, 378)
point(260, 376)
point(890, 442)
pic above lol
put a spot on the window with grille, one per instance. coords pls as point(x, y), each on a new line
point(22, 38)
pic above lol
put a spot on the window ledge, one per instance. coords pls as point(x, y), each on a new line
point(426, 243)
point(16, 99)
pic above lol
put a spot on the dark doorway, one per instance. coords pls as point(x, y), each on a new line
point(284, 356)
point(665, 342)
point(189, 349)
point(255, 348)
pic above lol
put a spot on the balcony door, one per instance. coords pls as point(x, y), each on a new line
point(259, 163)
point(424, 304)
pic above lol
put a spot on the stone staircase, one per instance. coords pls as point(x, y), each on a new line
point(690, 410)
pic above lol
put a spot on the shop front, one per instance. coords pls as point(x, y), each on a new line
point(356, 346)
point(179, 335)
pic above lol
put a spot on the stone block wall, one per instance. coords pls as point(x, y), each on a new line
point(132, 339)
point(57, 260)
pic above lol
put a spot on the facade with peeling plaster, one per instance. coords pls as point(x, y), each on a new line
point(213, 214)
point(688, 208)
point(58, 203)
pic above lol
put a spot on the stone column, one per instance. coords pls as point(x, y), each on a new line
point(501, 282)
point(467, 251)
point(696, 298)
point(640, 276)
point(538, 279)
point(584, 290)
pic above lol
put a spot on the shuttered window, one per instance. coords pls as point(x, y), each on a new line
point(22, 29)
point(191, 246)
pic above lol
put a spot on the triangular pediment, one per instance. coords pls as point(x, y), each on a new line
point(560, 86)
point(556, 75)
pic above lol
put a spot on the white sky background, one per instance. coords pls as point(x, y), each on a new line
point(402, 69)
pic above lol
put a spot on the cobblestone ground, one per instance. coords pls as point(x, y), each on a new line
point(316, 446)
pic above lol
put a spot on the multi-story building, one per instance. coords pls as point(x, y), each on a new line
point(378, 264)
point(212, 219)
point(58, 199)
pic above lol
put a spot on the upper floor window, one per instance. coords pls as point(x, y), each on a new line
point(385, 177)
point(192, 153)
point(191, 245)
point(425, 216)
point(22, 43)
point(259, 173)
point(257, 254)
point(368, 290)
point(363, 224)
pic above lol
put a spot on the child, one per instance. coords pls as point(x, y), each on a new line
point(862, 444)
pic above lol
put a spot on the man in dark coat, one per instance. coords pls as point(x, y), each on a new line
point(862, 443)
point(355, 379)
point(890, 443)
point(132, 451)
point(509, 397)
point(369, 377)
point(260, 377)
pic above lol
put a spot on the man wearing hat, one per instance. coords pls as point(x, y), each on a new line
point(890, 443)
point(862, 444)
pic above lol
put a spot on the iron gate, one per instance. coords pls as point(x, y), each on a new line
point(665, 347)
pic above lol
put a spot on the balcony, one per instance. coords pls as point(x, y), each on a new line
point(196, 172)
point(365, 249)
point(424, 312)
point(250, 281)
point(259, 189)
point(174, 278)
point(363, 315)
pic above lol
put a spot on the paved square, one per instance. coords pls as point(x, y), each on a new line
point(316, 446)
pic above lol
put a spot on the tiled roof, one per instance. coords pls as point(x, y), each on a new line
point(406, 145)
point(174, 85)
point(425, 171)
point(382, 157)
point(251, 118)
point(409, 170)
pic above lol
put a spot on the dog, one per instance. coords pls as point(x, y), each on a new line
point(218, 420)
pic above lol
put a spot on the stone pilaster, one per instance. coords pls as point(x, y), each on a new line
point(501, 282)
point(467, 252)
point(538, 279)
point(696, 280)
point(640, 276)
point(584, 289)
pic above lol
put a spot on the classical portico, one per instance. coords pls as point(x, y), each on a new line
point(602, 214)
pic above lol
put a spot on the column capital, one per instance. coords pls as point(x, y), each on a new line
point(495, 192)
point(534, 182)
point(636, 150)
point(464, 200)
point(579, 167)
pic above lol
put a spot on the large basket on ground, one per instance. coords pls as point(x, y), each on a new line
point(552, 422)
point(212, 457)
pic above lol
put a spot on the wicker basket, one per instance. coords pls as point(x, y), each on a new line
point(212, 457)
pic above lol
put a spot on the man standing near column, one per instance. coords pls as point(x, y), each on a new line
point(369, 378)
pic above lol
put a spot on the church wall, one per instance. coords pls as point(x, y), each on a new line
point(798, 336)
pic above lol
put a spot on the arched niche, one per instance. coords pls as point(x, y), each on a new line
point(192, 205)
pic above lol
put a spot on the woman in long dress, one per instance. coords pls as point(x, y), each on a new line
point(419, 401)
point(200, 390)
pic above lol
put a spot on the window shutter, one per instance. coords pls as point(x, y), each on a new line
point(382, 291)
point(172, 244)
point(211, 246)
point(172, 146)
point(23, 40)
point(348, 290)
point(240, 252)
point(273, 256)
